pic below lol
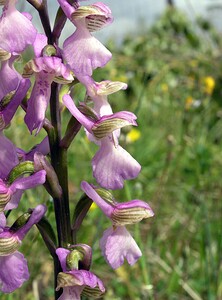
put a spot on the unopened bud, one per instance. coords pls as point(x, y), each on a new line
point(52, 183)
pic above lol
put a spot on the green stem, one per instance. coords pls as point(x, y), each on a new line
point(59, 163)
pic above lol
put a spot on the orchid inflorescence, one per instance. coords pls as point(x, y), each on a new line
point(38, 90)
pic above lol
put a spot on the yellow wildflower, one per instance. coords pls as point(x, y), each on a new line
point(93, 206)
point(164, 87)
point(133, 135)
point(122, 273)
point(209, 84)
point(188, 102)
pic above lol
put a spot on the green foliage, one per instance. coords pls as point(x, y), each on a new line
point(174, 75)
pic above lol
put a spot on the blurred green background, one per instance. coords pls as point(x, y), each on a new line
point(174, 76)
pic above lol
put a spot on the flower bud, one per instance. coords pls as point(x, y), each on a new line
point(52, 183)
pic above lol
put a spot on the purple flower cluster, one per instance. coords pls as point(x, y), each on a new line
point(33, 89)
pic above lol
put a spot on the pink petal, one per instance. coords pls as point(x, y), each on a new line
point(13, 272)
point(117, 245)
point(112, 165)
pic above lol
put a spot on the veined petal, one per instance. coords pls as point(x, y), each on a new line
point(112, 165)
point(9, 243)
point(79, 278)
point(16, 31)
point(117, 244)
point(107, 124)
point(131, 212)
point(5, 195)
point(97, 16)
point(13, 272)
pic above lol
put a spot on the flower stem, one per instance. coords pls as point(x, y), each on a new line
point(59, 163)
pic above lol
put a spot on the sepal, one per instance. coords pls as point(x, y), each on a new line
point(8, 245)
point(21, 221)
point(131, 214)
